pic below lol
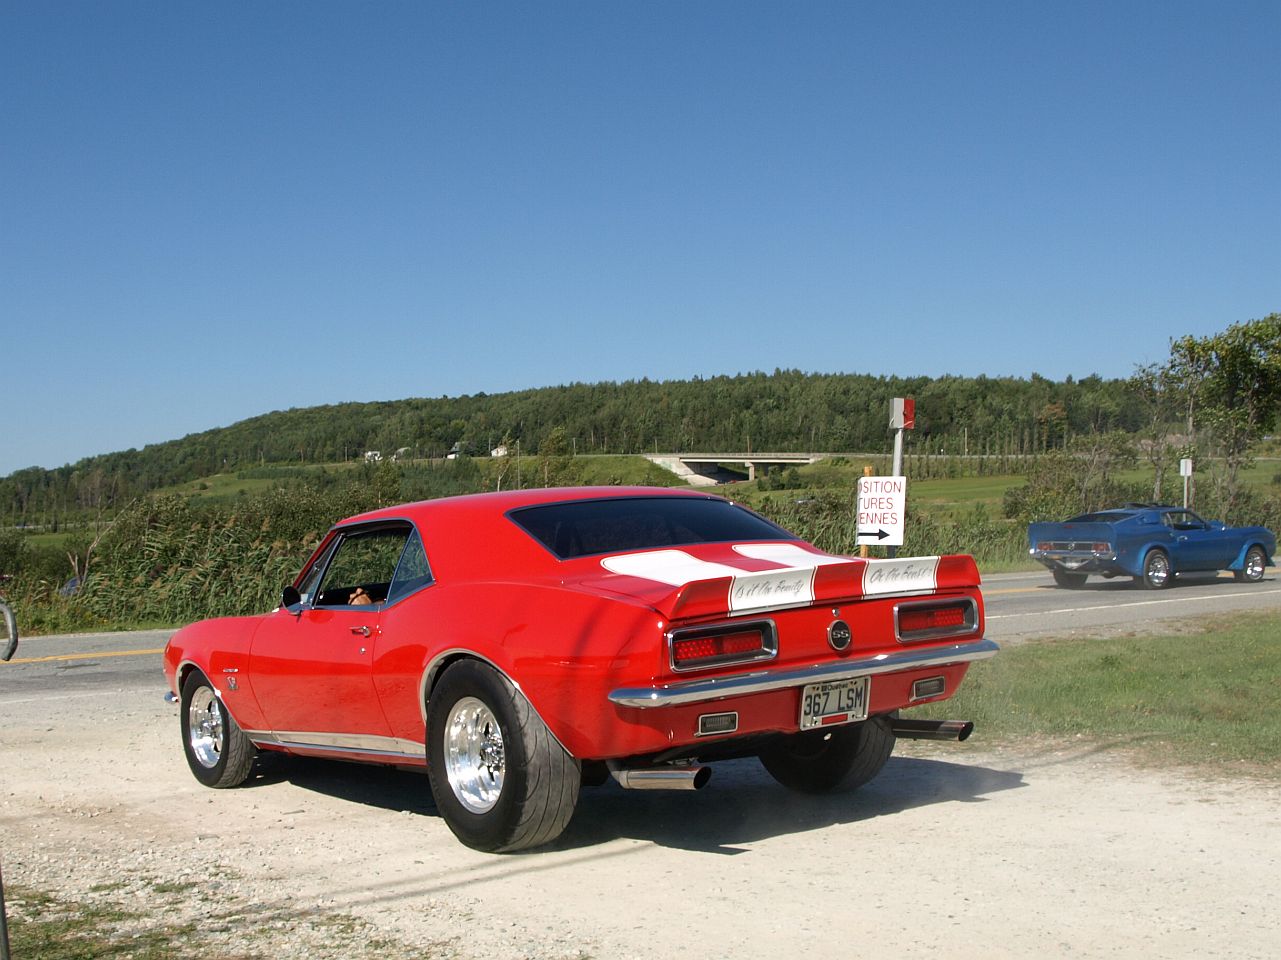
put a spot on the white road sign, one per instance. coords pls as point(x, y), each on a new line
point(882, 503)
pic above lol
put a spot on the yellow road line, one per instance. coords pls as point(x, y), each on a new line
point(89, 656)
point(994, 593)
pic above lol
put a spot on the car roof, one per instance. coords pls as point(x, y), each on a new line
point(508, 500)
point(471, 536)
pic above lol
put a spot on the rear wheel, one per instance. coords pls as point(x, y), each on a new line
point(1156, 570)
point(1256, 561)
point(218, 752)
point(1073, 581)
point(817, 761)
point(501, 781)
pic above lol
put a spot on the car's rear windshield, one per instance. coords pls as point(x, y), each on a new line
point(1112, 516)
point(584, 528)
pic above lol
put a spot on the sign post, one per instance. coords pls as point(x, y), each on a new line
point(1185, 471)
point(902, 417)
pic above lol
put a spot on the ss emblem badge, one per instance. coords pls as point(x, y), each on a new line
point(839, 635)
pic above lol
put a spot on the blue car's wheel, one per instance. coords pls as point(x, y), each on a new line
point(1156, 570)
point(1256, 562)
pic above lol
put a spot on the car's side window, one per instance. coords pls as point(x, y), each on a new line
point(363, 563)
point(412, 572)
point(1184, 520)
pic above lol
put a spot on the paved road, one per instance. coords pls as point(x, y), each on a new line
point(1023, 606)
point(1020, 607)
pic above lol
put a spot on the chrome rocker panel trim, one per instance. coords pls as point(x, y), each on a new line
point(366, 744)
point(763, 681)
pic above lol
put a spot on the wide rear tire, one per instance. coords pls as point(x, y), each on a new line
point(818, 761)
point(501, 781)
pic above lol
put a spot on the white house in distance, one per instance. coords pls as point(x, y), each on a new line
point(373, 456)
point(499, 451)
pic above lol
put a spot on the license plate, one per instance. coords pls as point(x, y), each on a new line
point(835, 702)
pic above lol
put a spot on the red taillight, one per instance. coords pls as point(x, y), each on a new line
point(932, 621)
point(697, 648)
point(914, 621)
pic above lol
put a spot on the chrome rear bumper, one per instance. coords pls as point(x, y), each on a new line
point(683, 692)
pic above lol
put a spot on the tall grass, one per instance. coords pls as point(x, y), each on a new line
point(830, 522)
point(170, 559)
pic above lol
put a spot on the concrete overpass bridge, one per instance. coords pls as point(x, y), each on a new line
point(701, 469)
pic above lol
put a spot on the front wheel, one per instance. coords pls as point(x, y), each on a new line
point(1156, 570)
point(817, 761)
point(218, 752)
point(1256, 561)
point(500, 779)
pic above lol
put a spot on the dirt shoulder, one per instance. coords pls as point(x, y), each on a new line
point(956, 851)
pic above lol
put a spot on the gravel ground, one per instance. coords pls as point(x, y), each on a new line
point(956, 850)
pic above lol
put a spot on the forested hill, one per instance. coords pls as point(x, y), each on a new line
point(782, 411)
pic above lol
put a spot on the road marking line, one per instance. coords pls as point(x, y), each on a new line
point(1137, 603)
point(113, 692)
point(997, 593)
point(89, 656)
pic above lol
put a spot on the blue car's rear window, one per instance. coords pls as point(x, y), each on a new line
point(583, 528)
point(1111, 516)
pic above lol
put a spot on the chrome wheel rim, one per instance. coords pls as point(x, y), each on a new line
point(475, 761)
point(1254, 565)
point(205, 727)
point(1158, 569)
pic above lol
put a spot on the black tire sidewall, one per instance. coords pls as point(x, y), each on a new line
point(1169, 570)
point(209, 776)
point(493, 829)
point(1263, 567)
point(820, 761)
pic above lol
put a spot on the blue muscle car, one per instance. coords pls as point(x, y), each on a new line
point(1153, 544)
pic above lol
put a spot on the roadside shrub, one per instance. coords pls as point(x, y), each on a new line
point(14, 550)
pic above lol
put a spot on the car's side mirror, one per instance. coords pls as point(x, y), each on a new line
point(290, 598)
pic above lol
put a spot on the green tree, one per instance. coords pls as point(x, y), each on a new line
point(553, 457)
point(1232, 383)
point(1159, 398)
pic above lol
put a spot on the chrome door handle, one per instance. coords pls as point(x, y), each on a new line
point(363, 631)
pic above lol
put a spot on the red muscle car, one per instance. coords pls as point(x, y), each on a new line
point(519, 645)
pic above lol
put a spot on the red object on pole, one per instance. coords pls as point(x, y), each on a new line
point(902, 413)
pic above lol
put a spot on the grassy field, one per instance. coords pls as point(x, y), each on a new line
point(1208, 699)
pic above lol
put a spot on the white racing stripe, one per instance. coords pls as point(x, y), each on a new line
point(901, 575)
point(786, 554)
point(789, 586)
point(673, 567)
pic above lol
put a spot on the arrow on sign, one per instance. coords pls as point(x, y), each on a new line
point(879, 534)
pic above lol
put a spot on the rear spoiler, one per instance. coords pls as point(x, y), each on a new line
point(841, 581)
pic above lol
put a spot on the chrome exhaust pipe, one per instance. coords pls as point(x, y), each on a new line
point(957, 730)
point(661, 778)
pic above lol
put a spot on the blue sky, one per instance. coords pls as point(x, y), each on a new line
point(209, 211)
